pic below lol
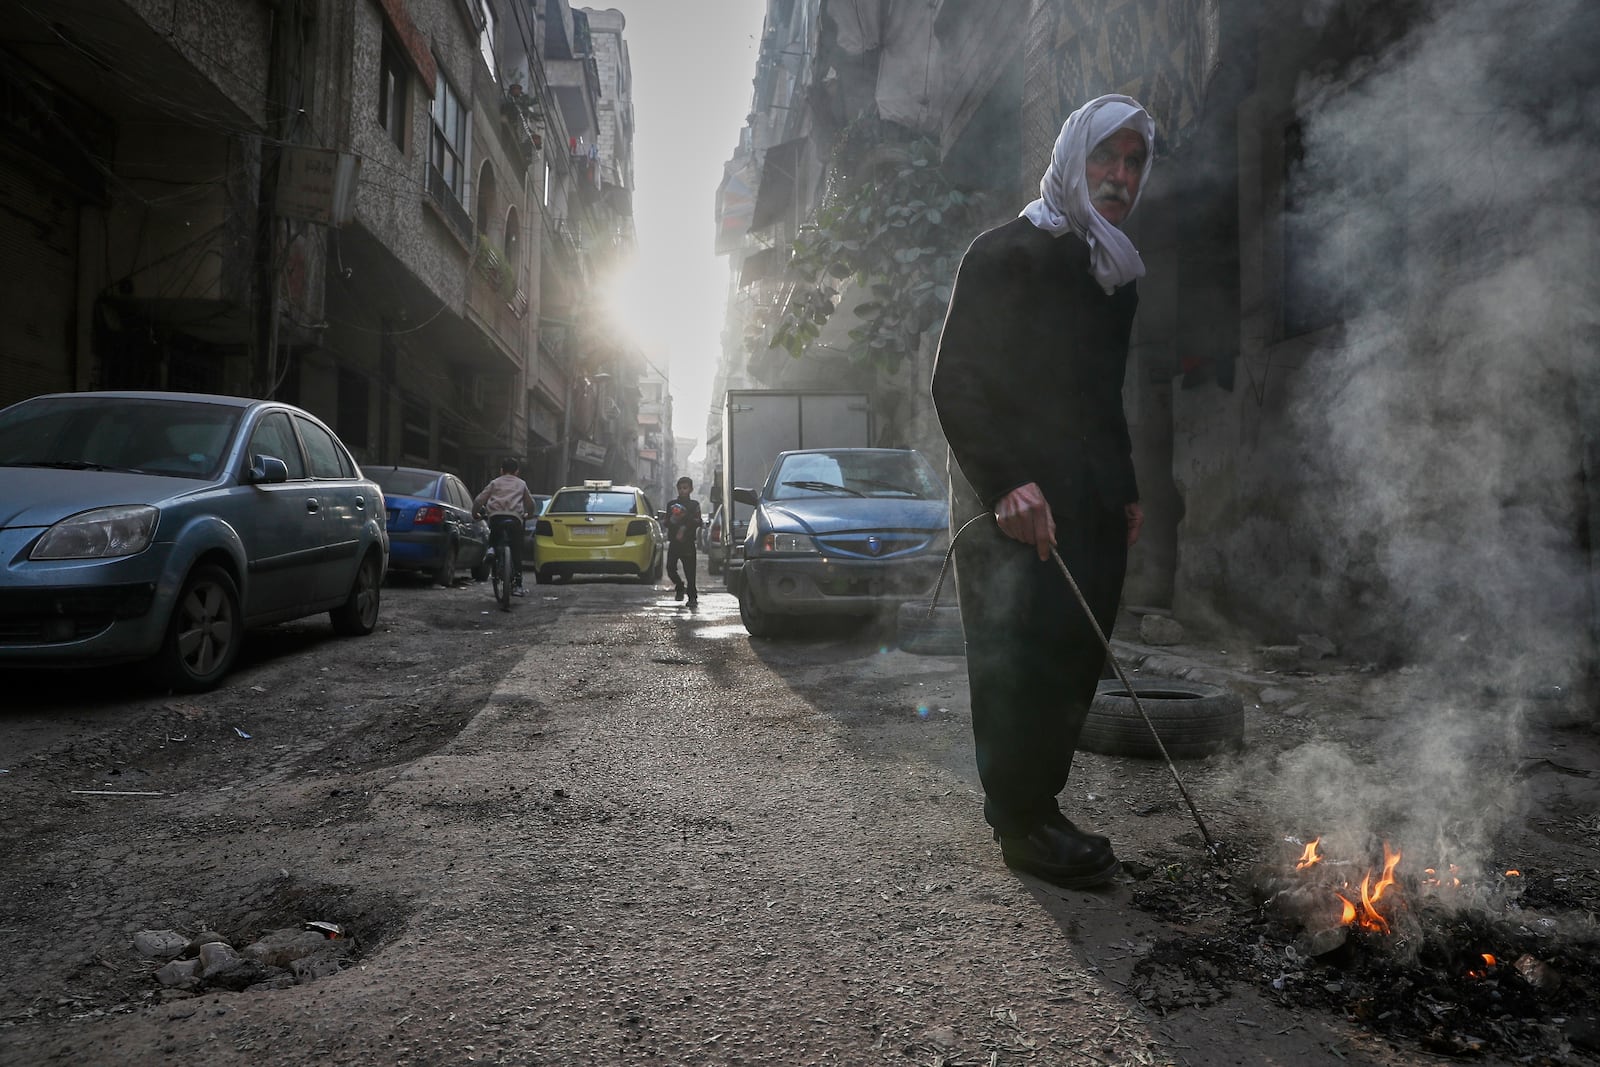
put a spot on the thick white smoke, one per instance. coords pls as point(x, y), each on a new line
point(1448, 190)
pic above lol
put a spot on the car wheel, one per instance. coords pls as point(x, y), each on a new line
point(358, 615)
point(940, 635)
point(759, 623)
point(480, 570)
point(446, 574)
point(1193, 720)
point(203, 634)
point(542, 576)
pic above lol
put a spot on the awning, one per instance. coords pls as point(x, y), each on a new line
point(767, 263)
point(777, 199)
point(735, 203)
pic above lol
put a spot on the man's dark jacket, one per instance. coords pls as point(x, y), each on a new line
point(1028, 380)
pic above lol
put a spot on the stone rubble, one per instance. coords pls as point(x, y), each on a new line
point(278, 959)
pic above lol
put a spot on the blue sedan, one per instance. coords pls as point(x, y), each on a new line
point(431, 525)
point(840, 531)
point(159, 527)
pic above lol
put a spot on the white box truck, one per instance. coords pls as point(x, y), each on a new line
point(757, 424)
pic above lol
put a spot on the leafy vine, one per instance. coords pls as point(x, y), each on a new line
point(896, 229)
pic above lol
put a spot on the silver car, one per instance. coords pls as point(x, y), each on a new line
point(158, 527)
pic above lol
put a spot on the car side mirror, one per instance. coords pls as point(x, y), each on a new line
point(746, 496)
point(268, 470)
point(661, 516)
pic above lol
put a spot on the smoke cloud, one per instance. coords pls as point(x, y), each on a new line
point(1445, 200)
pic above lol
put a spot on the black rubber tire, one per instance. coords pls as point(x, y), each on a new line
point(203, 634)
point(758, 623)
point(543, 576)
point(1193, 719)
point(503, 577)
point(480, 572)
point(445, 575)
point(922, 636)
point(713, 564)
point(358, 615)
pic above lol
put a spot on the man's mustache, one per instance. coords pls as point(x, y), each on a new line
point(1110, 191)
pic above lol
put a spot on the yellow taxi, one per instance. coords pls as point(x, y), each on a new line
point(599, 528)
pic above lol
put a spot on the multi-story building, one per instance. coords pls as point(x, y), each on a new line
point(375, 209)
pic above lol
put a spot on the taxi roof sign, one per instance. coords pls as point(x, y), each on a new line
point(597, 483)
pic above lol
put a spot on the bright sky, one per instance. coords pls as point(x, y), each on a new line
point(692, 70)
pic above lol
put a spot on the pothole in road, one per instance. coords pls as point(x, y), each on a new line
point(286, 934)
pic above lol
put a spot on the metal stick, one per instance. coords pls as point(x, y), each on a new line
point(1212, 847)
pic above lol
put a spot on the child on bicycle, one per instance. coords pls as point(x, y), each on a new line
point(508, 504)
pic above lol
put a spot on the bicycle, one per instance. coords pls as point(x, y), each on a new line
point(502, 574)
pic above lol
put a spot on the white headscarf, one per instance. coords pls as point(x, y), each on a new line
point(1063, 205)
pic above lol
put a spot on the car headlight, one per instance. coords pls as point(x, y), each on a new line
point(786, 542)
point(99, 534)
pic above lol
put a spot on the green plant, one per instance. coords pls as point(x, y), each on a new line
point(895, 228)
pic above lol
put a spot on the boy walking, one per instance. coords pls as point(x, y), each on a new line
point(683, 519)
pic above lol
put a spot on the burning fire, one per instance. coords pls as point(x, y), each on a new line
point(1367, 916)
point(1373, 903)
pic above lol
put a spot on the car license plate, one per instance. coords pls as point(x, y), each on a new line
point(587, 531)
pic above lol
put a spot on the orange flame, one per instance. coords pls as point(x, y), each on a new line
point(1309, 856)
point(1349, 915)
point(1513, 874)
point(1489, 959)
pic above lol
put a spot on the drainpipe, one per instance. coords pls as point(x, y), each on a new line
point(566, 436)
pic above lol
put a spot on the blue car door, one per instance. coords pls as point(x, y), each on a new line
point(282, 532)
point(345, 504)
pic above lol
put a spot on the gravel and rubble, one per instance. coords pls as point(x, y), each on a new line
point(604, 829)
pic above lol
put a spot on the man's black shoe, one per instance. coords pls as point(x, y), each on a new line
point(1058, 819)
point(693, 600)
point(677, 592)
point(1065, 857)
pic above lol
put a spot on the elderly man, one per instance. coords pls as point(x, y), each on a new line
point(1028, 389)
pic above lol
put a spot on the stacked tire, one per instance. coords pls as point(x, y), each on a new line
point(935, 634)
point(1194, 720)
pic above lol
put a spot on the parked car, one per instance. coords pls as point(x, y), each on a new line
point(430, 523)
point(530, 529)
point(599, 528)
point(158, 527)
point(846, 531)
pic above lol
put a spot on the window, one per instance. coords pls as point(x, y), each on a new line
point(447, 148)
point(486, 197)
point(486, 36)
point(513, 242)
point(327, 458)
point(274, 437)
point(392, 81)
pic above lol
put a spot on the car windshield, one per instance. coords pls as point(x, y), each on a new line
point(405, 483)
point(181, 438)
point(855, 473)
point(590, 502)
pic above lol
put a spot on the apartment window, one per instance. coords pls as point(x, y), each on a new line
point(513, 241)
point(486, 36)
point(447, 148)
point(486, 198)
point(392, 79)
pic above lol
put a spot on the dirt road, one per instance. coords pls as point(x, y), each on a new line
point(604, 829)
